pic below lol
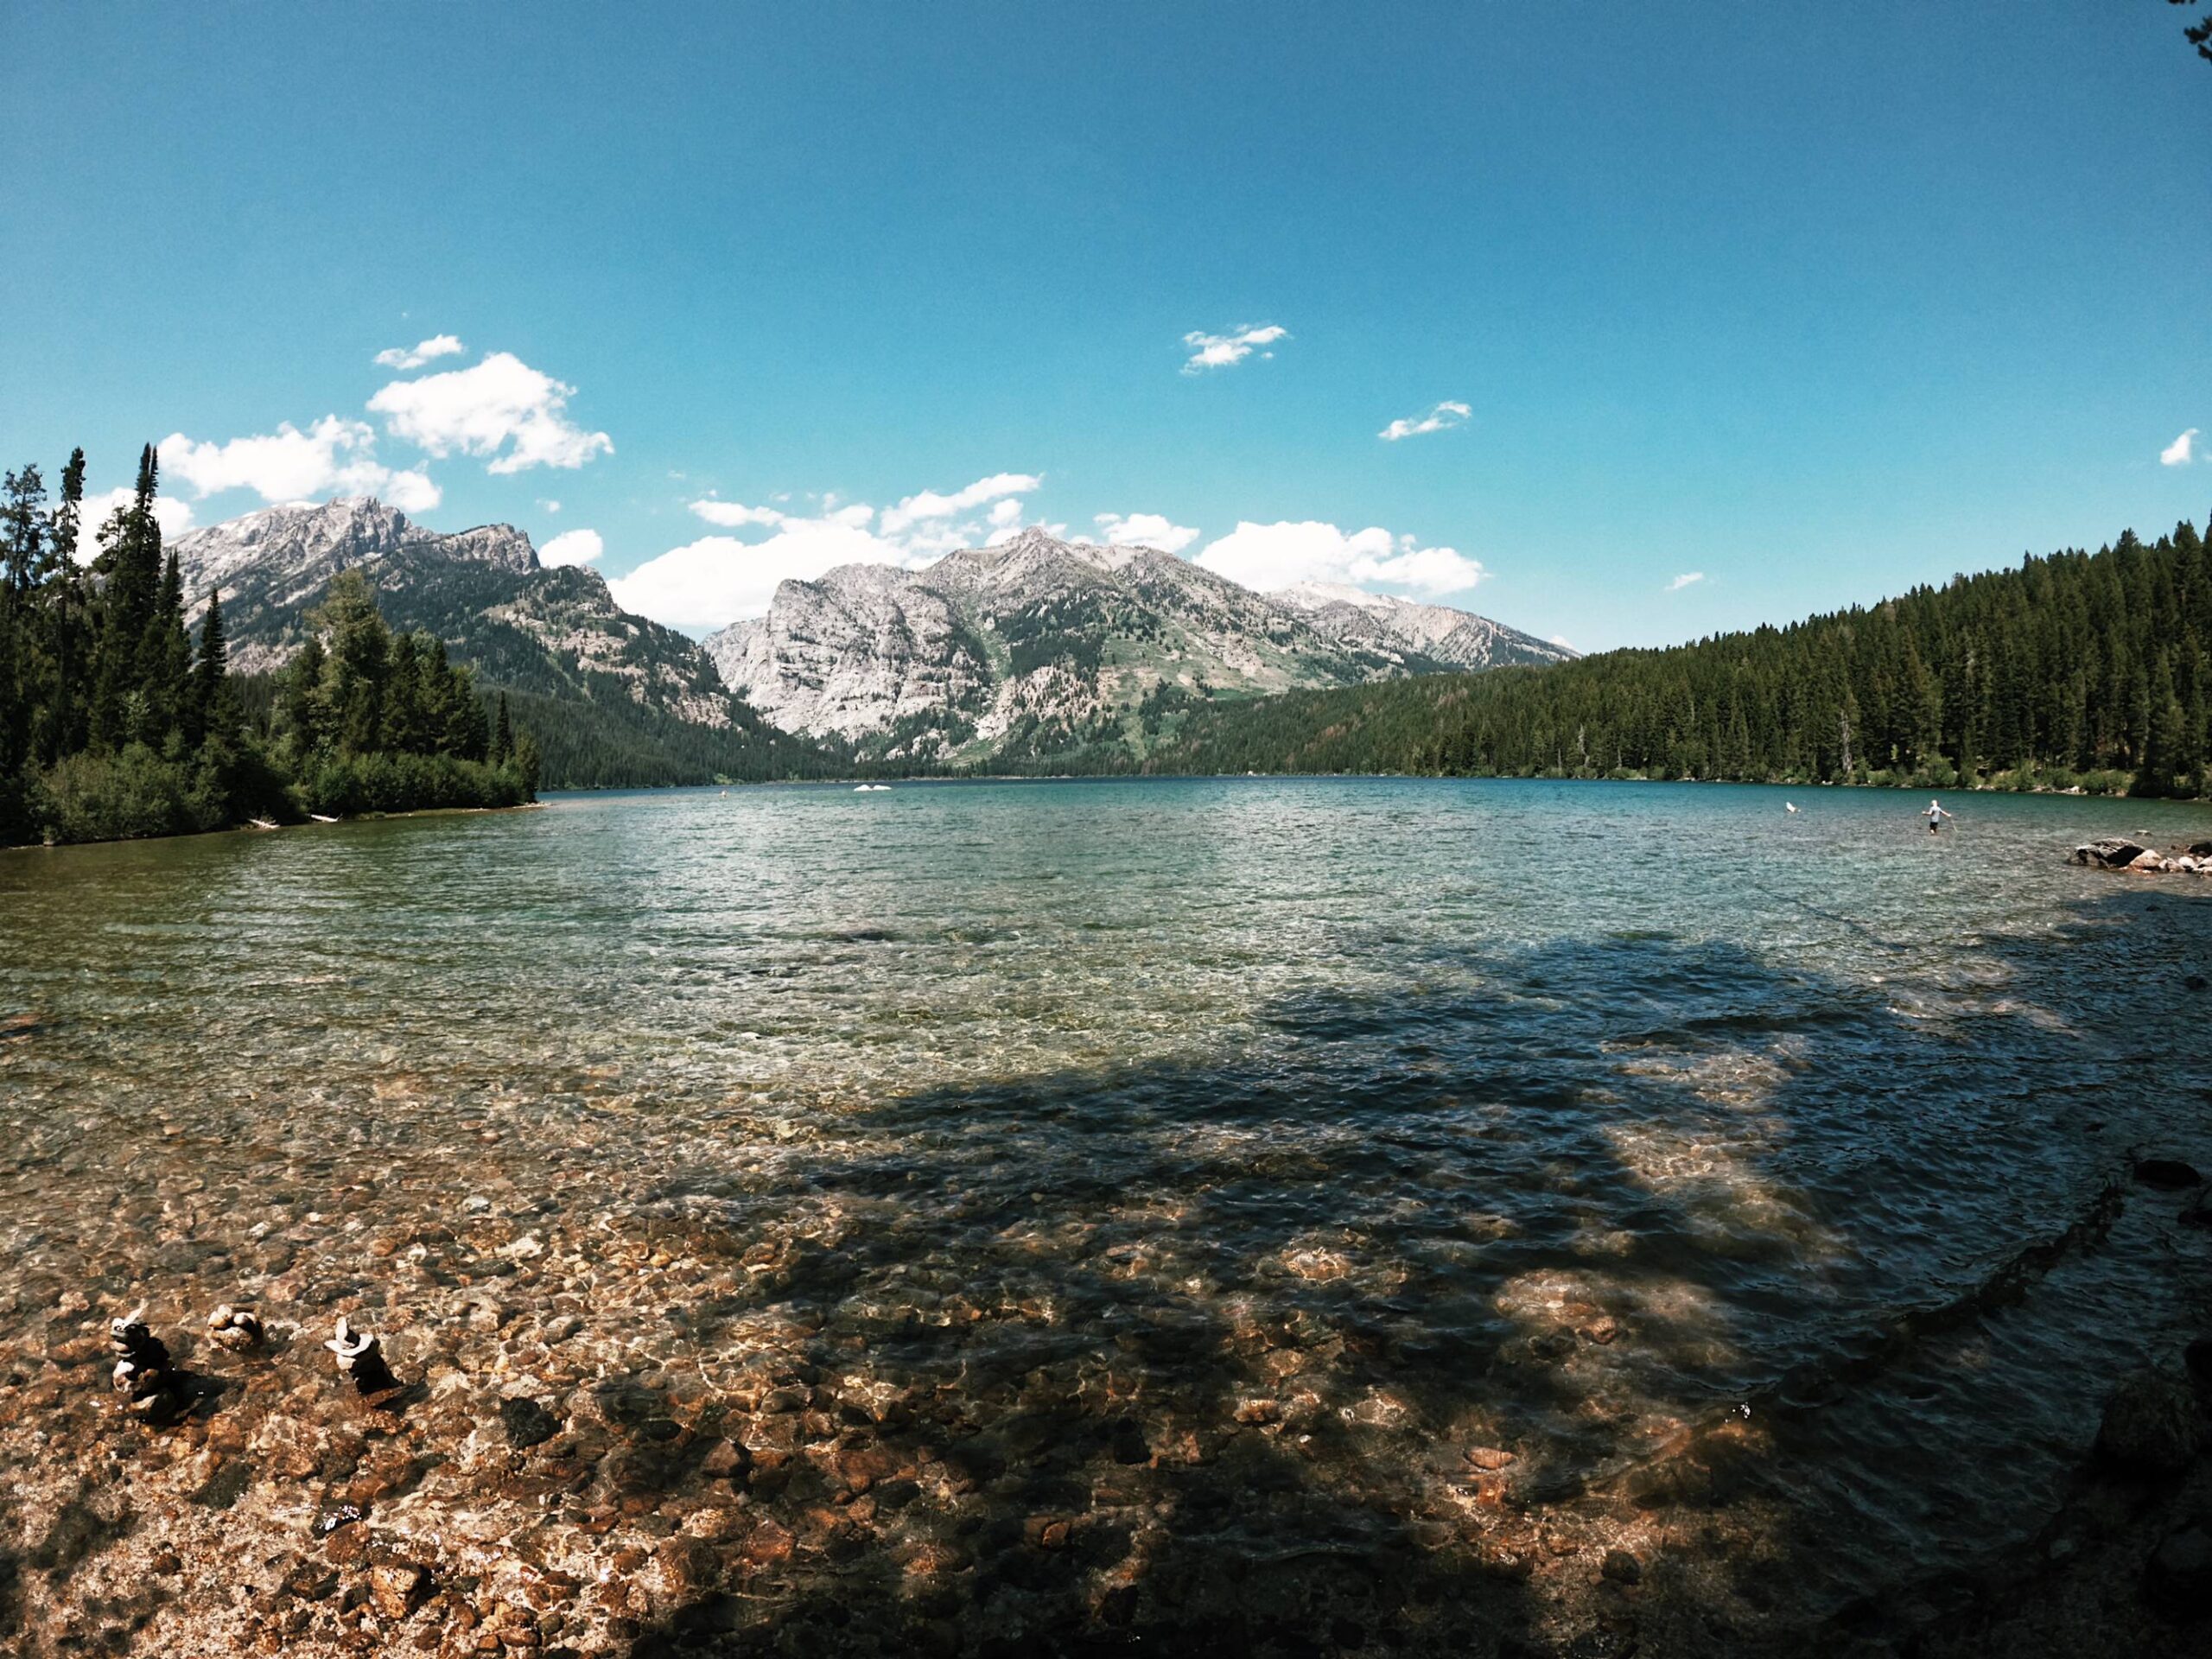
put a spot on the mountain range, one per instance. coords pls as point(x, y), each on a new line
point(612, 697)
point(1015, 653)
point(1035, 647)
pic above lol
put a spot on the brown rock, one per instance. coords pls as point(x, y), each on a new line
point(397, 1591)
point(1489, 1457)
point(1258, 1411)
point(768, 1545)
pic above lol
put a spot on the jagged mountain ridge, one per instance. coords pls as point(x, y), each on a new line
point(1459, 638)
point(553, 633)
point(1038, 646)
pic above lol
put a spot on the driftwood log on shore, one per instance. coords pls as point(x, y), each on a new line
point(2119, 852)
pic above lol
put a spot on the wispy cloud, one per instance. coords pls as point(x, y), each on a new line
point(1145, 529)
point(1220, 351)
point(572, 547)
point(2181, 451)
point(1442, 418)
point(334, 456)
point(414, 357)
point(501, 409)
point(1683, 582)
point(930, 505)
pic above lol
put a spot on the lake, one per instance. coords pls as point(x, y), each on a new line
point(1038, 1213)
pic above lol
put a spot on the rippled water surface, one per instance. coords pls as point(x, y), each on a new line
point(1211, 1165)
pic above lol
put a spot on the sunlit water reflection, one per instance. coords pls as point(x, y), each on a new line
point(1057, 1143)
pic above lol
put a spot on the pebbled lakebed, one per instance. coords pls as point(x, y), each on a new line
point(1313, 1216)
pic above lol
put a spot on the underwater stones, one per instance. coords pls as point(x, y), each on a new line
point(397, 1589)
point(1621, 1566)
point(2168, 1174)
point(768, 1544)
point(1489, 1458)
point(2179, 1579)
point(527, 1423)
point(2151, 1425)
point(238, 1329)
point(360, 1359)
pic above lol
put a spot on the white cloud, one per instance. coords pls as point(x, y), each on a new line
point(572, 547)
point(174, 516)
point(549, 506)
point(717, 580)
point(1267, 556)
point(731, 514)
point(332, 457)
point(2181, 451)
point(414, 357)
point(502, 408)
point(1220, 351)
point(712, 581)
point(1145, 529)
point(1683, 582)
point(930, 505)
point(1442, 418)
point(412, 491)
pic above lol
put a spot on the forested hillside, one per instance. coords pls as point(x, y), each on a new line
point(2077, 669)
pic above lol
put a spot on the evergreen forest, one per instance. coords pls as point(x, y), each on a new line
point(2077, 671)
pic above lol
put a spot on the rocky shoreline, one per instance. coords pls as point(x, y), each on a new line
point(2120, 853)
point(557, 1463)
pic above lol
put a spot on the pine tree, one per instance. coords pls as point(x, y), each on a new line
point(63, 710)
point(529, 764)
point(166, 660)
point(360, 662)
point(503, 735)
point(302, 708)
point(130, 566)
point(203, 709)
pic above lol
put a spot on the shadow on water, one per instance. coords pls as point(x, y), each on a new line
point(1388, 1335)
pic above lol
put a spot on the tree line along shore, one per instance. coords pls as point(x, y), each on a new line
point(2078, 671)
point(2074, 671)
point(118, 721)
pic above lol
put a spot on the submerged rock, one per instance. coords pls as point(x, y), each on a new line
point(2168, 1174)
point(2151, 1425)
point(2180, 1576)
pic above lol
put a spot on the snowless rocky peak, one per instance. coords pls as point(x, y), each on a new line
point(300, 538)
point(1459, 638)
point(1033, 645)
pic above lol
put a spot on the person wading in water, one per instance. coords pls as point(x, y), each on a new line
point(1935, 817)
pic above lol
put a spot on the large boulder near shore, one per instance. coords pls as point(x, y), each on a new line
point(2202, 848)
point(2151, 1425)
point(2111, 852)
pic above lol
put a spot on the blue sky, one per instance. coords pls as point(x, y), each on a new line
point(1812, 303)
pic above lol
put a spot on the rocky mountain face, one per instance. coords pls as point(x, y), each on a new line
point(1038, 647)
point(554, 633)
point(1457, 639)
